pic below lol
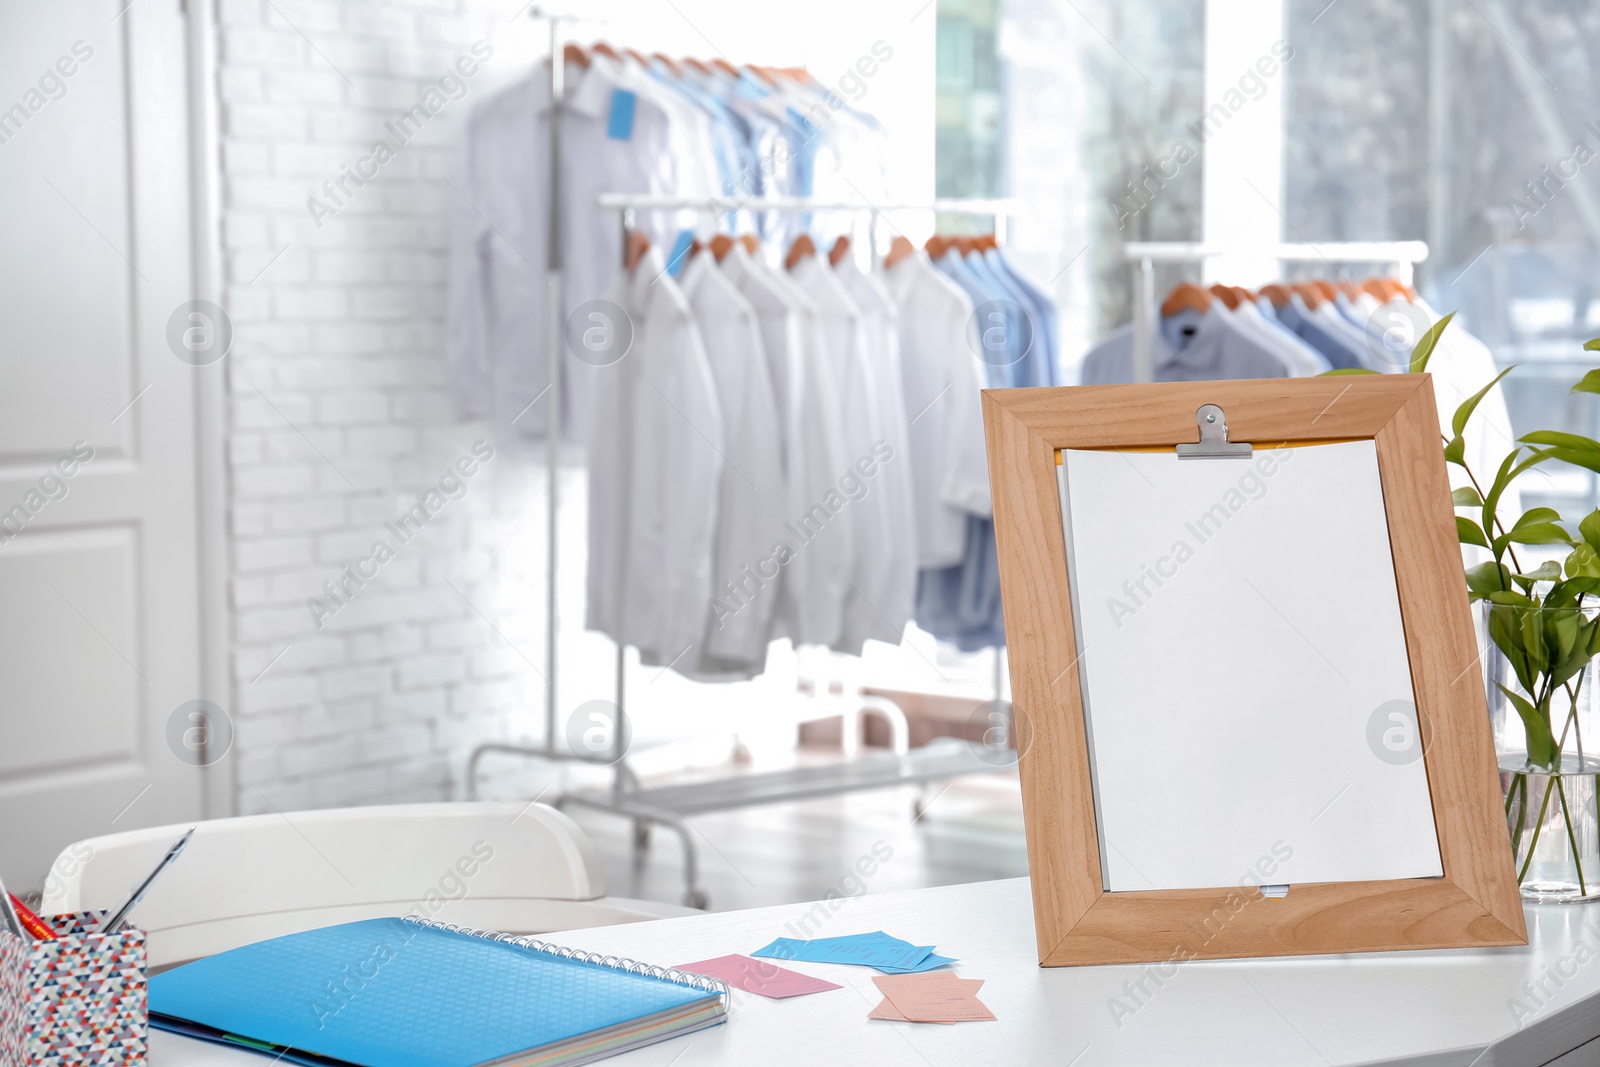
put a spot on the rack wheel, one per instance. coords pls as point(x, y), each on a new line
point(696, 898)
point(917, 809)
point(641, 835)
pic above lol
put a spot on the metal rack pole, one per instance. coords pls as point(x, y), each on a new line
point(554, 338)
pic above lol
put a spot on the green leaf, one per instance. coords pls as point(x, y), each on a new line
point(1589, 383)
point(1510, 468)
point(1589, 529)
point(1533, 641)
point(1548, 571)
point(1470, 533)
point(1514, 599)
point(1468, 406)
point(1338, 372)
point(1577, 457)
point(1560, 632)
point(1486, 578)
point(1538, 533)
point(1533, 515)
point(1466, 497)
point(1566, 594)
point(1455, 451)
point(1561, 440)
point(1422, 351)
point(1592, 345)
point(1583, 562)
point(1541, 743)
point(1503, 631)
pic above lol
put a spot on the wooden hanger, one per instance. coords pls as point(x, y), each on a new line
point(803, 246)
point(637, 56)
point(984, 242)
point(574, 54)
point(962, 243)
point(638, 244)
point(721, 245)
point(696, 64)
point(1325, 288)
point(1227, 295)
point(936, 246)
point(670, 63)
point(724, 66)
point(1278, 294)
point(840, 249)
point(603, 48)
point(751, 242)
point(899, 249)
point(1309, 293)
point(1186, 296)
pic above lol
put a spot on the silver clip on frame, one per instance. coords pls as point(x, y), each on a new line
point(1214, 443)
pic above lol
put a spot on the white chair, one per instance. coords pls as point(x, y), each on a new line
point(501, 865)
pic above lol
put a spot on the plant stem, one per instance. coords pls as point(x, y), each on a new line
point(1566, 817)
point(1538, 824)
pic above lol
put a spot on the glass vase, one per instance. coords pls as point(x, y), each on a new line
point(1555, 835)
point(1551, 811)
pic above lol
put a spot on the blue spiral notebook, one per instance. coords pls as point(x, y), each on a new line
point(410, 993)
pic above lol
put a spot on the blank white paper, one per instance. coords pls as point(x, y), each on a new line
point(1244, 670)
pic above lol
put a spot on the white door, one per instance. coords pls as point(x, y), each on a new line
point(99, 604)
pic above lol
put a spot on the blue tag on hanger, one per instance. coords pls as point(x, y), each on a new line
point(619, 125)
point(680, 252)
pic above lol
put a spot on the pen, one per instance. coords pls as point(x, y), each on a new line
point(8, 914)
point(31, 921)
point(115, 920)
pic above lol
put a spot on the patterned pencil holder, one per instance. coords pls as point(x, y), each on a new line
point(79, 999)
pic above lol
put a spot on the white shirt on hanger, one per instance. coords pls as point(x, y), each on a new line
point(655, 469)
point(498, 264)
point(894, 584)
point(822, 550)
point(746, 572)
point(942, 381)
point(855, 502)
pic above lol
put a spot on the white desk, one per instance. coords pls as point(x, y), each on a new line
point(1433, 1008)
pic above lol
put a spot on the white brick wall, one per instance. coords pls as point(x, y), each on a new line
point(340, 418)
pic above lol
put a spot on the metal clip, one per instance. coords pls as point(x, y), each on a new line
point(1214, 443)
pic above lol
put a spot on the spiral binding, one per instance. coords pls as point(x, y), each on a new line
point(615, 963)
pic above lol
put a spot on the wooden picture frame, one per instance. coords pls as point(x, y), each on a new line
point(1475, 903)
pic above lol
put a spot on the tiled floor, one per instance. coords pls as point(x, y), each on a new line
point(782, 853)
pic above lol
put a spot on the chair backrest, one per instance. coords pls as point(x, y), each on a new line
point(512, 866)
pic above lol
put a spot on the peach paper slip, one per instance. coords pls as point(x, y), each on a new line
point(759, 976)
point(886, 1010)
point(932, 997)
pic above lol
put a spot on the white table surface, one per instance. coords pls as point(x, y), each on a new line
point(1452, 1007)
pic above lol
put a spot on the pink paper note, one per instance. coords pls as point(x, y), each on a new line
point(886, 1010)
point(762, 977)
point(932, 997)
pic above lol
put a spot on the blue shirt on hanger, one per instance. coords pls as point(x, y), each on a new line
point(1339, 354)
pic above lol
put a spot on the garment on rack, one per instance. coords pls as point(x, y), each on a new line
point(655, 470)
point(941, 380)
point(887, 476)
point(1187, 346)
point(1040, 365)
point(818, 550)
point(751, 493)
point(1294, 314)
point(867, 513)
point(497, 319)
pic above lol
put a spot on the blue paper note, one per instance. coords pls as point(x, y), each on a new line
point(932, 962)
point(877, 949)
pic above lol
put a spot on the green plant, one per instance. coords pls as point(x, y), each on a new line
point(1538, 617)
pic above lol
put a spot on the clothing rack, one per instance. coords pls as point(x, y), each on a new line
point(1143, 255)
point(672, 806)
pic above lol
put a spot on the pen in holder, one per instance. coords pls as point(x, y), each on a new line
point(77, 999)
